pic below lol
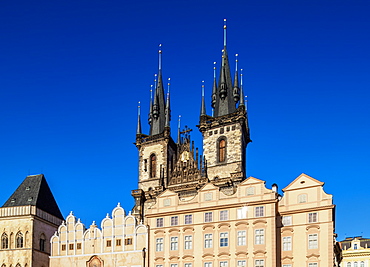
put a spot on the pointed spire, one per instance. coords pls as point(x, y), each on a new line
point(158, 122)
point(178, 130)
point(214, 88)
point(241, 103)
point(236, 92)
point(168, 108)
point(150, 117)
point(224, 32)
point(138, 129)
point(203, 105)
point(224, 103)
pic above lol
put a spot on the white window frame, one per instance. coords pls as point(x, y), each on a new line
point(224, 215)
point(259, 211)
point(313, 217)
point(174, 220)
point(224, 264)
point(188, 219)
point(259, 263)
point(208, 216)
point(174, 243)
point(286, 220)
point(259, 236)
point(242, 212)
point(241, 263)
point(159, 244)
point(287, 243)
point(224, 239)
point(188, 242)
point(208, 240)
point(160, 222)
point(313, 241)
point(208, 264)
point(242, 238)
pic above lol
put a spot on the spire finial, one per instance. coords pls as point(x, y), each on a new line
point(138, 129)
point(224, 32)
point(214, 88)
point(178, 130)
point(168, 109)
point(155, 80)
point(236, 92)
point(150, 118)
point(241, 103)
point(214, 70)
point(203, 105)
point(160, 57)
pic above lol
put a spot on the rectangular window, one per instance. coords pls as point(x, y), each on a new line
point(208, 241)
point(78, 245)
point(259, 237)
point(259, 211)
point(159, 244)
point(159, 222)
point(63, 247)
point(250, 191)
point(242, 239)
point(188, 265)
point(118, 242)
point(242, 213)
point(223, 263)
point(188, 219)
point(241, 263)
point(287, 265)
point(128, 241)
point(207, 196)
point(208, 217)
point(159, 265)
point(224, 215)
point(287, 220)
point(312, 241)
point(173, 264)
point(287, 243)
point(188, 242)
point(71, 246)
point(174, 220)
point(174, 243)
point(109, 243)
point(224, 239)
point(313, 264)
point(312, 217)
point(208, 264)
point(259, 263)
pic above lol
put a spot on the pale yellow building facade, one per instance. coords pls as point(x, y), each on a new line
point(120, 241)
point(355, 252)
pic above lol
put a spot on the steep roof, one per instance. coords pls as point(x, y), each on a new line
point(35, 191)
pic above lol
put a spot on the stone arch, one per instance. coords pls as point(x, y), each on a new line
point(42, 242)
point(152, 166)
point(4, 241)
point(19, 241)
point(221, 149)
point(95, 261)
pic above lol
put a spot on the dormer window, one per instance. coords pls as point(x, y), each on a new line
point(355, 246)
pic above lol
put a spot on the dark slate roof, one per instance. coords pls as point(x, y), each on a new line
point(364, 242)
point(35, 191)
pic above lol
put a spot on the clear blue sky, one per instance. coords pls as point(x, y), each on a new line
point(72, 72)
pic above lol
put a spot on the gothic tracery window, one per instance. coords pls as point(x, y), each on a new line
point(19, 240)
point(153, 166)
point(222, 150)
point(4, 241)
point(42, 242)
point(95, 262)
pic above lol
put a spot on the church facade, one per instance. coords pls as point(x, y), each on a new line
point(195, 210)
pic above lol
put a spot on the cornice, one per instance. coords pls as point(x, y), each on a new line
point(313, 209)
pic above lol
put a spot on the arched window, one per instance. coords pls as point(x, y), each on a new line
point(4, 241)
point(19, 240)
point(153, 166)
point(42, 242)
point(362, 264)
point(94, 262)
point(349, 264)
point(222, 150)
point(355, 264)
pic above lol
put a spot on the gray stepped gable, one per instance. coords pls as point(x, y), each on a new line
point(35, 191)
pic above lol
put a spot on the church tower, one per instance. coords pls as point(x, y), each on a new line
point(226, 133)
point(156, 150)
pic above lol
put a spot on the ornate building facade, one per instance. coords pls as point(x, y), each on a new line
point(355, 252)
point(28, 219)
point(121, 241)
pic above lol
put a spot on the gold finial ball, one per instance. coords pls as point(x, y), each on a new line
point(236, 55)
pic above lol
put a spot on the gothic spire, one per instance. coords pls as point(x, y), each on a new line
point(138, 128)
point(158, 120)
point(203, 104)
point(168, 108)
point(241, 103)
point(224, 103)
point(178, 131)
point(214, 88)
point(150, 117)
point(236, 90)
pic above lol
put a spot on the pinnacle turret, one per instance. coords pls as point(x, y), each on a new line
point(203, 104)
